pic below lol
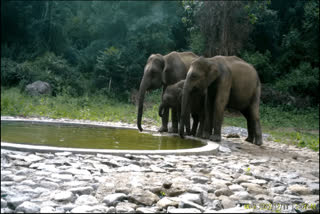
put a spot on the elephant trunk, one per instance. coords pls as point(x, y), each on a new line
point(184, 109)
point(161, 109)
point(142, 92)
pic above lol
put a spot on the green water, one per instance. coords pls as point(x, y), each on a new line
point(82, 136)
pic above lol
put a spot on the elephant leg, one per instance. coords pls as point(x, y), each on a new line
point(208, 115)
point(217, 123)
point(174, 119)
point(164, 119)
point(187, 125)
point(250, 125)
point(254, 113)
point(194, 124)
point(220, 104)
point(201, 126)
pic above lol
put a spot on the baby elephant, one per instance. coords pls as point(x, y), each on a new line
point(172, 98)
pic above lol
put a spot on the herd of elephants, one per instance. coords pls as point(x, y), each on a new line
point(202, 88)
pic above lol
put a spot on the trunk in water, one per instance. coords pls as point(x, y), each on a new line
point(142, 92)
point(184, 110)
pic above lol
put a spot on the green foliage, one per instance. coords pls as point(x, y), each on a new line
point(302, 81)
point(66, 42)
point(263, 64)
point(197, 42)
point(10, 75)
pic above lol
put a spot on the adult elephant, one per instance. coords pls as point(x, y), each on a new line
point(161, 71)
point(229, 82)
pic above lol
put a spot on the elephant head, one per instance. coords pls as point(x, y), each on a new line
point(201, 74)
point(172, 97)
point(152, 79)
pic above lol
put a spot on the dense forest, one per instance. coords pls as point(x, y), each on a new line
point(101, 47)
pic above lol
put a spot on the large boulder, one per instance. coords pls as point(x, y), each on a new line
point(38, 88)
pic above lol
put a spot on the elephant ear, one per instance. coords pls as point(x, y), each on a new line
point(217, 68)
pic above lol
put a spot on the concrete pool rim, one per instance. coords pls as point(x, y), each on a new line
point(210, 148)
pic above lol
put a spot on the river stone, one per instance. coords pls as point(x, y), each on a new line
point(221, 175)
point(157, 169)
point(196, 198)
point(278, 189)
point(236, 187)
point(184, 210)
point(144, 197)
point(3, 203)
point(258, 181)
point(241, 195)
point(224, 149)
point(260, 197)
point(15, 200)
point(259, 161)
point(299, 189)
point(314, 188)
point(77, 172)
point(254, 188)
point(82, 190)
point(38, 88)
point(200, 179)
point(47, 209)
point(29, 183)
point(86, 200)
point(49, 185)
point(166, 201)
point(147, 210)
point(243, 178)
point(33, 158)
point(63, 196)
point(223, 191)
point(113, 199)
point(63, 177)
point(227, 202)
point(189, 204)
point(28, 207)
point(214, 205)
point(126, 207)
point(287, 199)
point(219, 184)
point(82, 209)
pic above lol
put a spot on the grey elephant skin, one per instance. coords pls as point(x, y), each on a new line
point(172, 99)
point(230, 82)
point(161, 71)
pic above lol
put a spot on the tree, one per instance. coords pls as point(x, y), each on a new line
point(225, 25)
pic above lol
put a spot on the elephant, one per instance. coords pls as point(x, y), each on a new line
point(230, 82)
point(172, 99)
point(161, 71)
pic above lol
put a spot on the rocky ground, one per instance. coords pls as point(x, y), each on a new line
point(241, 178)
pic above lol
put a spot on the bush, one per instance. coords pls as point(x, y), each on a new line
point(197, 42)
point(262, 63)
point(302, 81)
point(49, 68)
point(9, 72)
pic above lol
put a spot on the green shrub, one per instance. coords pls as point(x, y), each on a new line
point(9, 72)
point(197, 42)
point(303, 81)
point(262, 63)
point(49, 68)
